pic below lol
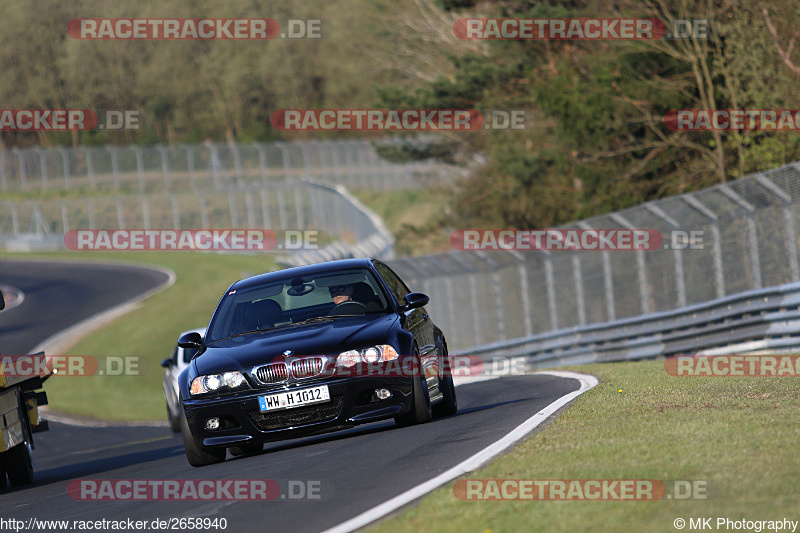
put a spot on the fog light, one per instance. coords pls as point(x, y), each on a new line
point(212, 423)
point(383, 394)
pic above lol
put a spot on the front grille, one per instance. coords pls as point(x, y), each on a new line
point(297, 416)
point(305, 368)
point(274, 373)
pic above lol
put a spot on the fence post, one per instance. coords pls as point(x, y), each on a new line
point(139, 167)
point(23, 175)
point(3, 170)
point(145, 212)
point(190, 166)
point(112, 151)
point(752, 232)
point(120, 213)
point(680, 279)
point(788, 221)
point(87, 152)
point(640, 265)
point(42, 167)
point(719, 273)
point(164, 166)
point(497, 294)
point(262, 162)
point(608, 279)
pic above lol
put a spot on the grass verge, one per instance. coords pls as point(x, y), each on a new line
point(416, 218)
point(150, 331)
point(740, 434)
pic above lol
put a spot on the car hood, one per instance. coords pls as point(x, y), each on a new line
point(322, 338)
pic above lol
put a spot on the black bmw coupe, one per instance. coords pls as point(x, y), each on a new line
point(308, 350)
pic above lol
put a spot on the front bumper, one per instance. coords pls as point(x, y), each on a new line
point(352, 402)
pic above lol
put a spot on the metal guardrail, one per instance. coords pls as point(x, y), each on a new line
point(748, 231)
point(764, 319)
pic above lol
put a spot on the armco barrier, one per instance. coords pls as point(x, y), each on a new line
point(764, 319)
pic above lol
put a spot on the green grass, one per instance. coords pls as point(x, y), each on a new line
point(416, 218)
point(741, 434)
point(149, 332)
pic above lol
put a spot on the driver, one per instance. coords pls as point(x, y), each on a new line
point(341, 293)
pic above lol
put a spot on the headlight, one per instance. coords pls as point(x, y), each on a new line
point(214, 382)
point(374, 354)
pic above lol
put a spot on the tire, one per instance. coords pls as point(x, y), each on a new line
point(420, 406)
point(18, 463)
point(197, 454)
point(2, 476)
point(247, 449)
point(174, 421)
point(448, 406)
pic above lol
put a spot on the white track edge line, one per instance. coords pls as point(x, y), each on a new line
point(472, 463)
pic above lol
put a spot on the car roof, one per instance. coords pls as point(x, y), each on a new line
point(305, 270)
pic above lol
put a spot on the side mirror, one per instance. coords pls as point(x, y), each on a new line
point(2, 301)
point(414, 300)
point(166, 363)
point(191, 340)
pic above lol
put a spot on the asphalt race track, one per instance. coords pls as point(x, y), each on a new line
point(352, 471)
point(58, 295)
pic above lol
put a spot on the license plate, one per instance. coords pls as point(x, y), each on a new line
point(295, 398)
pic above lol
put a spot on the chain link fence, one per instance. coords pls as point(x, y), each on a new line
point(209, 166)
point(748, 241)
point(275, 186)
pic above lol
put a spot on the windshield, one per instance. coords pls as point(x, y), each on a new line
point(292, 300)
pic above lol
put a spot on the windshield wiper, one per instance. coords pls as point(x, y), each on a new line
point(244, 333)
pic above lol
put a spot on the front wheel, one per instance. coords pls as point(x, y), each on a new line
point(420, 405)
point(449, 404)
point(196, 453)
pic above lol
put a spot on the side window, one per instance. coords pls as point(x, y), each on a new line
point(175, 354)
point(396, 285)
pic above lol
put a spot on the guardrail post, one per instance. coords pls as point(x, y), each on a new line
point(752, 232)
point(788, 221)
